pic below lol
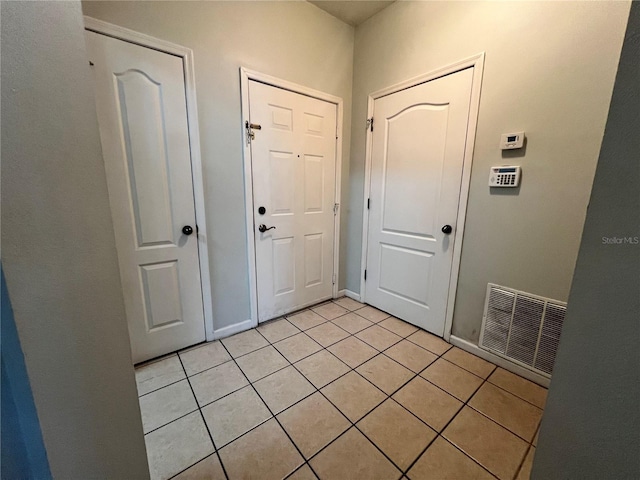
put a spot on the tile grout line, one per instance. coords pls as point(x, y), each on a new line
point(316, 389)
point(305, 464)
point(269, 343)
point(352, 424)
point(354, 369)
point(484, 380)
point(517, 396)
point(439, 434)
point(174, 420)
point(390, 397)
point(531, 446)
point(528, 442)
point(160, 388)
point(387, 397)
point(526, 452)
point(213, 443)
point(351, 369)
point(290, 406)
point(284, 317)
point(194, 464)
point(271, 411)
point(478, 376)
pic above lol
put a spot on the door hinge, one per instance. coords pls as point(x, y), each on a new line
point(370, 123)
point(365, 274)
point(336, 206)
point(368, 203)
point(250, 127)
point(333, 279)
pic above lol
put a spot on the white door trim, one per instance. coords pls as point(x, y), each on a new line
point(186, 54)
point(245, 76)
point(477, 62)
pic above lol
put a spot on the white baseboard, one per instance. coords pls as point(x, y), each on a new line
point(350, 294)
point(501, 362)
point(231, 329)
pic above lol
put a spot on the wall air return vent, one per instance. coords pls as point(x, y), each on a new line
point(522, 327)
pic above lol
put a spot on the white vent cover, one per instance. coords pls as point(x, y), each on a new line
point(522, 327)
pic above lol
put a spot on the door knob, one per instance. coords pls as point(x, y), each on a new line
point(447, 229)
point(187, 230)
point(263, 228)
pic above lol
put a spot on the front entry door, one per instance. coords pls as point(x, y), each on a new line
point(293, 157)
point(140, 100)
point(417, 156)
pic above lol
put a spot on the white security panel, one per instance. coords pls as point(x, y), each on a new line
point(505, 176)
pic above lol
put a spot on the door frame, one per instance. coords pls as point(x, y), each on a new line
point(115, 31)
point(245, 76)
point(477, 63)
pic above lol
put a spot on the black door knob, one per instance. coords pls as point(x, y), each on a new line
point(262, 210)
point(263, 228)
point(447, 229)
point(187, 230)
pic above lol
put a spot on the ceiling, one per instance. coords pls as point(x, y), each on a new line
point(353, 12)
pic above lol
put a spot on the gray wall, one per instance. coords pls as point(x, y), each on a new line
point(549, 70)
point(295, 41)
point(58, 248)
point(590, 424)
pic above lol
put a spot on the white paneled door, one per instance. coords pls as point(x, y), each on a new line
point(417, 155)
point(141, 105)
point(293, 156)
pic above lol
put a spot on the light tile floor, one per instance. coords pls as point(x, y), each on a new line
point(337, 391)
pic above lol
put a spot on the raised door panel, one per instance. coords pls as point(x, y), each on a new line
point(314, 196)
point(282, 183)
point(281, 117)
point(412, 169)
point(313, 253)
point(139, 100)
point(161, 290)
point(283, 267)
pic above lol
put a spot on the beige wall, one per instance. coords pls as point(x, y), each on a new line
point(58, 248)
point(549, 70)
point(295, 41)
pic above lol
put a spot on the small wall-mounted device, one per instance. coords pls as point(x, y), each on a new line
point(511, 141)
point(505, 176)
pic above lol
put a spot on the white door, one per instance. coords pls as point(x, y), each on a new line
point(417, 155)
point(140, 99)
point(293, 161)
